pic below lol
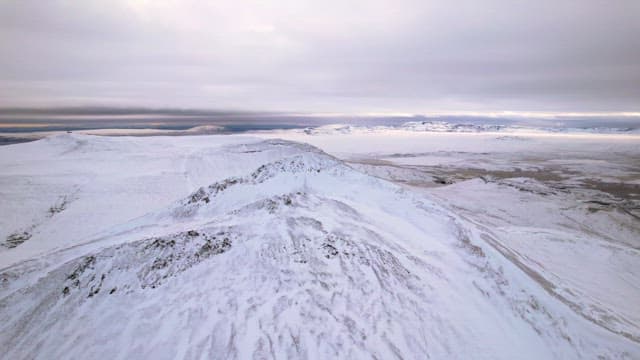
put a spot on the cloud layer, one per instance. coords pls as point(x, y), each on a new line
point(329, 56)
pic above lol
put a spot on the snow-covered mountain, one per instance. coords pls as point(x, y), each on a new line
point(236, 247)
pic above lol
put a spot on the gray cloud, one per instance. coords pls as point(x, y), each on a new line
point(330, 56)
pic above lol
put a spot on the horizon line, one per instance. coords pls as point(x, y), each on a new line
point(143, 110)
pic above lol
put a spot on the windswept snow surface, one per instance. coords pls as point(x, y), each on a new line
point(237, 247)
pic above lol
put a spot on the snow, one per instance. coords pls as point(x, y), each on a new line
point(434, 126)
point(557, 241)
point(238, 247)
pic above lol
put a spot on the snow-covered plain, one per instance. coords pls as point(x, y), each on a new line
point(373, 243)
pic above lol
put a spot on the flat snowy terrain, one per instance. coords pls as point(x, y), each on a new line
point(332, 243)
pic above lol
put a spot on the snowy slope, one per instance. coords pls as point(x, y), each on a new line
point(232, 247)
point(101, 182)
point(564, 207)
point(586, 257)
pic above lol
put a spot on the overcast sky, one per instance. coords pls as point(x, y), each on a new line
point(323, 56)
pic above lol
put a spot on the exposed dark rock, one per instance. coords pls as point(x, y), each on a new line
point(331, 250)
point(16, 239)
